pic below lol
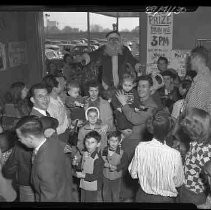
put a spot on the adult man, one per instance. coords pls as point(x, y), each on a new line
point(51, 177)
point(139, 118)
point(158, 166)
point(56, 108)
point(106, 114)
point(23, 155)
point(199, 95)
point(169, 93)
point(114, 58)
point(40, 99)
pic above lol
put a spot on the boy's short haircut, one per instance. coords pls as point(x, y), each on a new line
point(73, 84)
point(160, 124)
point(37, 86)
point(93, 83)
point(93, 134)
point(116, 134)
point(162, 58)
point(168, 73)
point(127, 76)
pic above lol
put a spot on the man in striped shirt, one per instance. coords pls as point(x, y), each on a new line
point(199, 95)
point(158, 166)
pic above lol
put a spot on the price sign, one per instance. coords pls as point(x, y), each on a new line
point(159, 38)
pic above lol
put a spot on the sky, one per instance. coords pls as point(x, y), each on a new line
point(79, 20)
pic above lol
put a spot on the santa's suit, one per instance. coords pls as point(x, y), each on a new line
point(113, 66)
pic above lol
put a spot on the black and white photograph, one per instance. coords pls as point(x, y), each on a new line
point(106, 107)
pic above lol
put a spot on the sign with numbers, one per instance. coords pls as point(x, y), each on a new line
point(17, 53)
point(159, 38)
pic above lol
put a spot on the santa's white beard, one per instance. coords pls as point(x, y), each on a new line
point(112, 50)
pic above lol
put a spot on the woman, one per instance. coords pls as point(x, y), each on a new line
point(17, 96)
point(196, 124)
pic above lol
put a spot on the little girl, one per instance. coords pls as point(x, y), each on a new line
point(93, 123)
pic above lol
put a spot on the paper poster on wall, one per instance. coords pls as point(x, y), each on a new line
point(178, 60)
point(2, 57)
point(159, 38)
point(17, 53)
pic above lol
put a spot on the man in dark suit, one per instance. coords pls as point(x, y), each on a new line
point(51, 171)
point(40, 98)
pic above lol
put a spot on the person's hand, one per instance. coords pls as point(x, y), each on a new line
point(119, 109)
point(78, 104)
point(121, 97)
point(80, 175)
point(105, 86)
point(112, 168)
point(104, 129)
point(106, 165)
point(49, 132)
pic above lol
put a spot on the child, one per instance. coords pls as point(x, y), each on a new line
point(91, 169)
point(115, 161)
point(75, 103)
point(93, 123)
point(207, 171)
point(127, 85)
point(179, 105)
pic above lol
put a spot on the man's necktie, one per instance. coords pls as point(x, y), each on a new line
point(47, 114)
point(33, 156)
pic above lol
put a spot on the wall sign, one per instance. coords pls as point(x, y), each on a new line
point(159, 38)
point(2, 57)
point(17, 53)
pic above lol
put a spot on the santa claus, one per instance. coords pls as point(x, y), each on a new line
point(115, 59)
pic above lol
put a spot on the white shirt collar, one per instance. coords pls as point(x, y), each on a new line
point(43, 112)
point(38, 147)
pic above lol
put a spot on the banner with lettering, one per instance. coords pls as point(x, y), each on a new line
point(159, 38)
point(17, 53)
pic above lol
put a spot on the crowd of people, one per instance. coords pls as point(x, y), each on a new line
point(125, 137)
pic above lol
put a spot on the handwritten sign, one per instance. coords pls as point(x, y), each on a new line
point(17, 53)
point(177, 60)
point(2, 57)
point(159, 38)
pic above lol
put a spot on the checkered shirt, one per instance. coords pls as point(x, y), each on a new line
point(195, 159)
point(199, 94)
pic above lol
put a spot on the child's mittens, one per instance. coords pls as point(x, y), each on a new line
point(78, 104)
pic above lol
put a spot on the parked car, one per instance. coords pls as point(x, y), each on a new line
point(51, 54)
point(80, 49)
point(56, 48)
point(76, 42)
